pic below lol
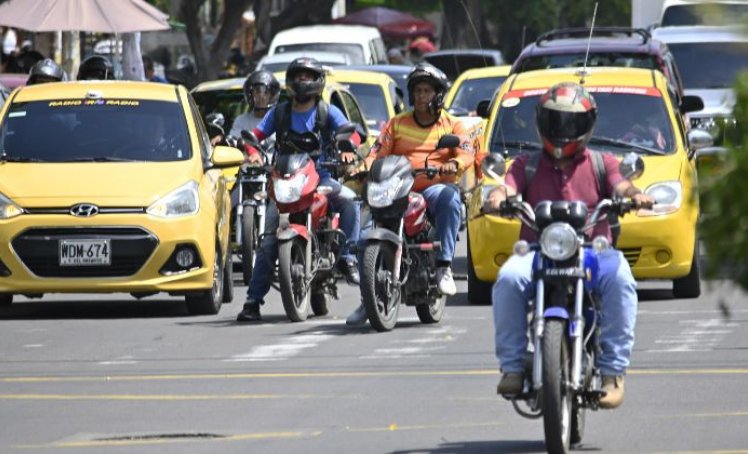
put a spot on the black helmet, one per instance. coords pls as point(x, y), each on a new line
point(46, 71)
point(304, 90)
point(565, 116)
point(425, 72)
point(96, 67)
point(261, 78)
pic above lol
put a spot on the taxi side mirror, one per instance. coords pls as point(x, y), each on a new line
point(482, 108)
point(224, 156)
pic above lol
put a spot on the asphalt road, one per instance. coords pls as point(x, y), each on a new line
point(86, 373)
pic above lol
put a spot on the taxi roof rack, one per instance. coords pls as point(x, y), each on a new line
point(584, 32)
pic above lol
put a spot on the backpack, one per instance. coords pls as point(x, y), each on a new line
point(282, 121)
point(598, 167)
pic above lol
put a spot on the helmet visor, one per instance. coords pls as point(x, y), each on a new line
point(561, 127)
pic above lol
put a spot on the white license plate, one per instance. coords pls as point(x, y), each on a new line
point(85, 252)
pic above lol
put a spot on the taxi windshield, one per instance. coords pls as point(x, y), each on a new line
point(633, 121)
point(473, 91)
point(96, 130)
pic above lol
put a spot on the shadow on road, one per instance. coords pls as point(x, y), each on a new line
point(80, 309)
point(481, 447)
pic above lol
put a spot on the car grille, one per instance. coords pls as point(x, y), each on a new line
point(38, 249)
point(631, 255)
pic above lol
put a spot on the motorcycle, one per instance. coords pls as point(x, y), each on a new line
point(309, 235)
point(399, 252)
point(252, 191)
point(562, 380)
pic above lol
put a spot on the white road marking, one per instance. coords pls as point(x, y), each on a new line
point(695, 336)
point(33, 345)
point(420, 347)
point(293, 346)
point(122, 360)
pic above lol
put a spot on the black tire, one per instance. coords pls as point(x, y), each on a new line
point(320, 302)
point(557, 399)
point(689, 286)
point(382, 304)
point(228, 279)
point(479, 292)
point(432, 313)
point(248, 242)
point(6, 299)
point(578, 417)
point(291, 271)
point(208, 302)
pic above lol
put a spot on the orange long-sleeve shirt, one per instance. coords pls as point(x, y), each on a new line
point(403, 136)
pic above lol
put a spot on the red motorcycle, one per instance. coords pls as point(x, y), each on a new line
point(309, 237)
point(399, 255)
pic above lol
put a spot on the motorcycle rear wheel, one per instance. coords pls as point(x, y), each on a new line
point(291, 277)
point(557, 398)
point(380, 299)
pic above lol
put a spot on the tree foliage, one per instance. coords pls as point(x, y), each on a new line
point(724, 207)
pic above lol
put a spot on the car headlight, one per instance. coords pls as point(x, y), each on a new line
point(382, 194)
point(8, 209)
point(289, 191)
point(559, 241)
point(668, 196)
point(182, 201)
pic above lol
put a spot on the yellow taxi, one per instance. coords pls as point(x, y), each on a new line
point(632, 103)
point(112, 187)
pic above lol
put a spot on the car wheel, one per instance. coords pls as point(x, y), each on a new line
point(208, 302)
point(6, 299)
point(228, 280)
point(479, 292)
point(689, 286)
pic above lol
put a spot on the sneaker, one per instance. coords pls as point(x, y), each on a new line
point(445, 281)
point(613, 387)
point(357, 317)
point(350, 272)
point(511, 384)
point(250, 312)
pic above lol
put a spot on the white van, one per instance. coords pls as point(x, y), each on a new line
point(363, 44)
point(698, 12)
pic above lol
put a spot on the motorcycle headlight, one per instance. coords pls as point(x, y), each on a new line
point(559, 241)
point(382, 194)
point(289, 191)
point(182, 201)
point(668, 196)
point(8, 209)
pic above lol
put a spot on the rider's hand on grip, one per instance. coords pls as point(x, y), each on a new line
point(642, 200)
point(449, 168)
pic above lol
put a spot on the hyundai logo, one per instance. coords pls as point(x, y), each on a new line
point(84, 210)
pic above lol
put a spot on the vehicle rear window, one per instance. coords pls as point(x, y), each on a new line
point(96, 130)
point(230, 103)
point(625, 59)
point(473, 91)
point(355, 51)
point(371, 98)
point(710, 65)
point(705, 14)
point(636, 116)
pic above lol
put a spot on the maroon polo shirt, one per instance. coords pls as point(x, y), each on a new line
point(575, 181)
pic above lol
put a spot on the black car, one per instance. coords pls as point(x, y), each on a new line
point(455, 61)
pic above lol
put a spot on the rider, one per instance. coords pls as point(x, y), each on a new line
point(305, 80)
point(96, 67)
point(565, 117)
point(261, 91)
point(46, 71)
point(414, 134)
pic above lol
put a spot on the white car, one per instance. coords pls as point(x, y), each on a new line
point(363, 44)
point(279, 62)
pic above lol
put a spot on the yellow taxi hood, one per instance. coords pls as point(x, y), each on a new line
point(658, 169)
point(105, 184)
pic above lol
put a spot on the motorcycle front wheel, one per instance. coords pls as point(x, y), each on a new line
point(381, 299)
point(248, 242)
point(557, 397)
point(432, 312)
point(295, 293)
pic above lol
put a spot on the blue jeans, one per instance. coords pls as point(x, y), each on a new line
point(341, 201)
point(617, 291)
point(444, 205)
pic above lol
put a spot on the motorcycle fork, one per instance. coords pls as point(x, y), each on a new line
point(577, 330)
point(539, 326)
point(239, 213)
point(398, 254)
point(308, 254)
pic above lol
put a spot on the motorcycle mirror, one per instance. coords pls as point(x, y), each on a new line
point(306, 142)
point(216, 120)
point(249, 137)
point(346, 146)
point(448, 141)
point(494, 165)
point(631, 166)
point(345, 131)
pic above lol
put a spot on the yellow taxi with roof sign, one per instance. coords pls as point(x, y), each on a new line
point(112, 187)
point(636, 113)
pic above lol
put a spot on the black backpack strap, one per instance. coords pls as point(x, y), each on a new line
point(598, 167)
point(321, 121)
point(282, 120)
point(531, 167)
